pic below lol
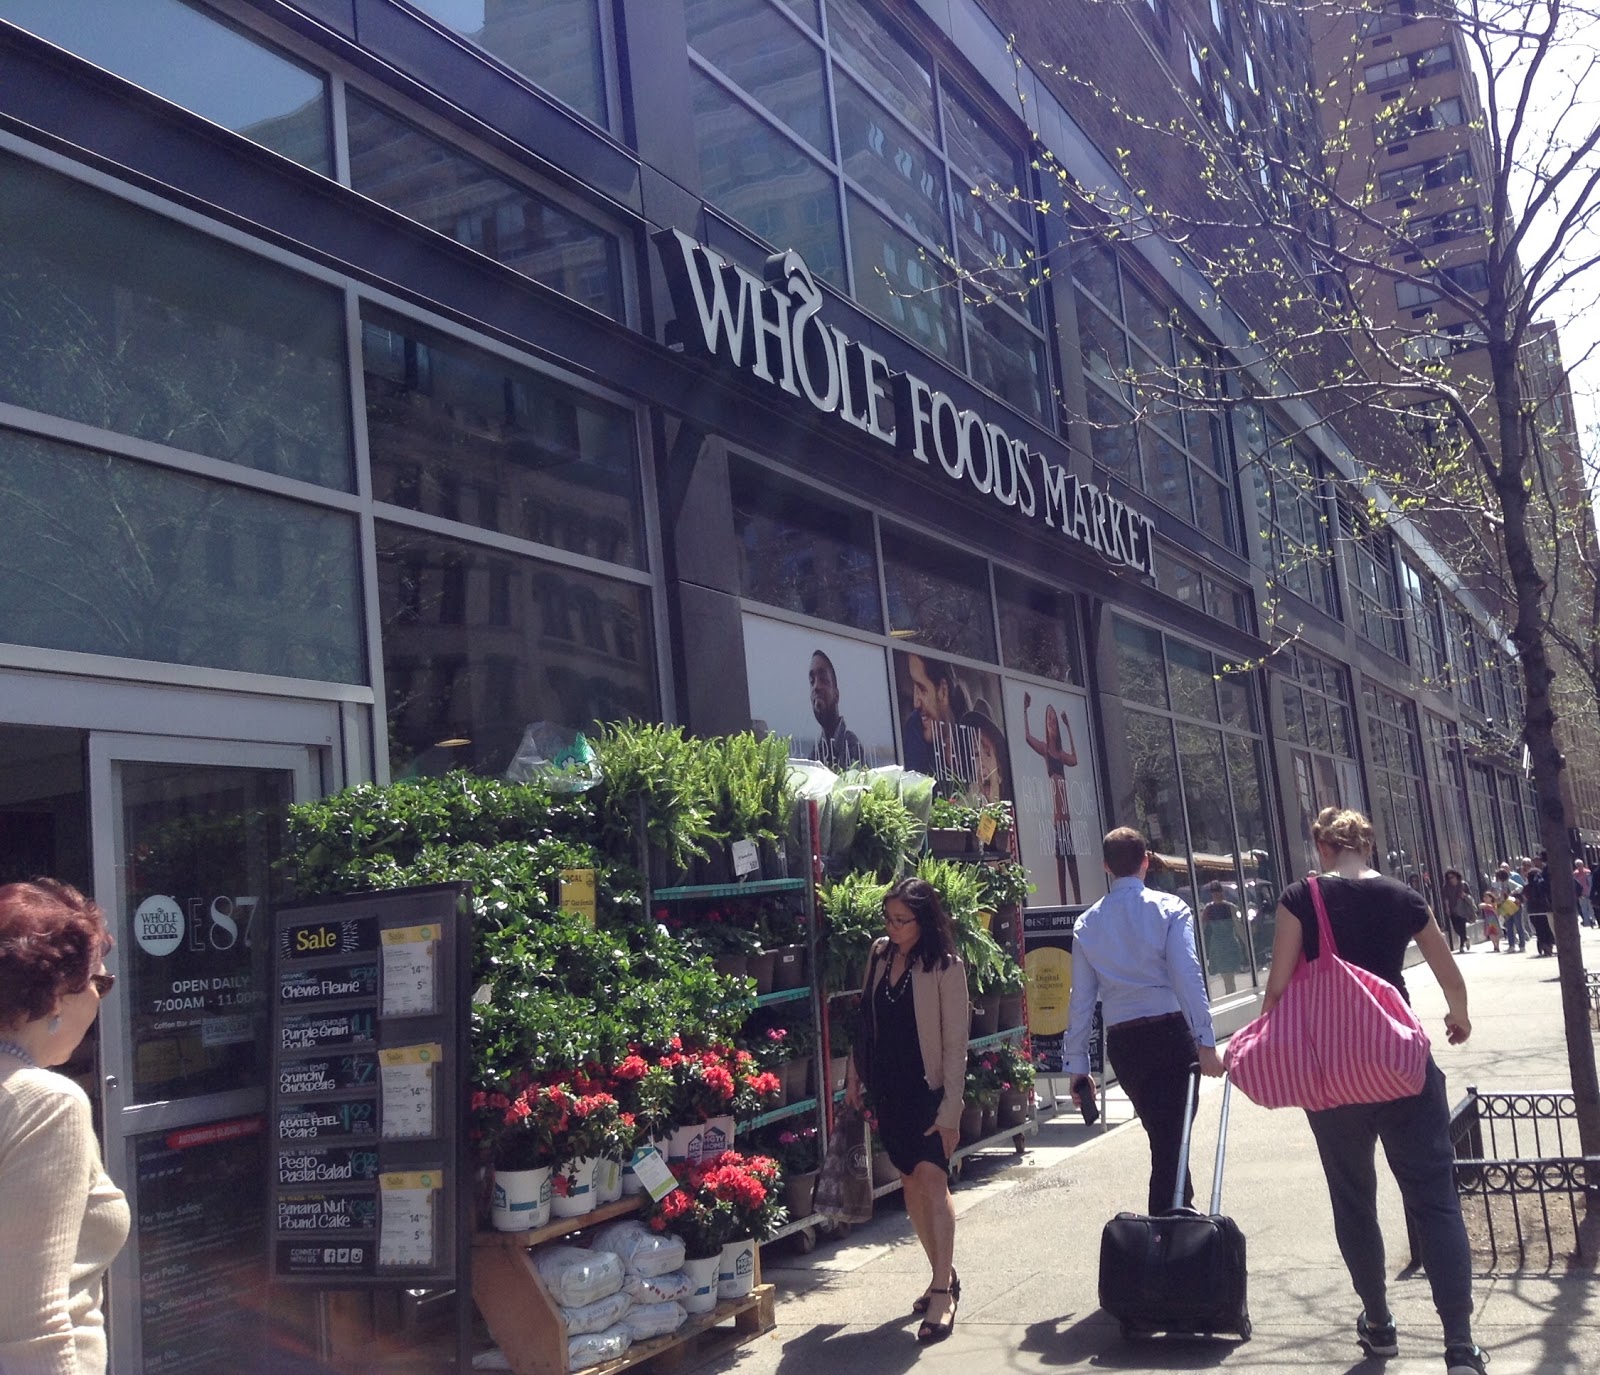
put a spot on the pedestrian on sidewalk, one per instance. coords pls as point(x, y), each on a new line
point(1134, 952)
point(914, 1064)
point(1458, 907)
point(1583, 879)
point(1373, 919)
point(1491, 918)
point(1508, 897)
point(1536, 903)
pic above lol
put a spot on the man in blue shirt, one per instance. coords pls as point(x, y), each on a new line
point(1134, 952)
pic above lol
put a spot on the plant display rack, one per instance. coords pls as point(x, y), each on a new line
point(814, 1107)
point(525, 1320)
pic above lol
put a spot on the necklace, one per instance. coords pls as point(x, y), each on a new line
point(893, 992)
point(13, 1049)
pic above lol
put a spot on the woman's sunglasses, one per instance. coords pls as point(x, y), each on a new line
point(102, 983)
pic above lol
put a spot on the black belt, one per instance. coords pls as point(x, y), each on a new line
point(1147, 1021)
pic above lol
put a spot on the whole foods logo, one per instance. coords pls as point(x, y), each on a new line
point(158, 925)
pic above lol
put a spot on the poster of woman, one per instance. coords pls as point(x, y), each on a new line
point(828, 694)
point(1058, 810)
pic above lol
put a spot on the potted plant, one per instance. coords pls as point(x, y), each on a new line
point(801, 1044)
point(888, 835)
point(698, 1219)
point(841, 1037)
point(852, 909)
point(749, 1187)
point(1017, 1074)
point(593, 1128)
point(971, 1108)
point(730, 1201)
point(657, 777)
point(952, 828)
point(994, 825)
point(725, 940)
point(1009, 985)
point(645, 1092)
point(783, 933)
point(521, 1131)
point(987, 1094)
point(798, 1154)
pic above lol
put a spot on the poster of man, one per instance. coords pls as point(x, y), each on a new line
point(828, 694)
point(952, 725)
point(1058, 810)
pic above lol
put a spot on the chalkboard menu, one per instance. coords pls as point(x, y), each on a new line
point(366, 1124)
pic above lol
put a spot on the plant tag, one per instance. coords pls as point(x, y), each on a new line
point(577, 892)
point(746, 858)
point(483, 995)
point(986, 829)
point(653, 1172)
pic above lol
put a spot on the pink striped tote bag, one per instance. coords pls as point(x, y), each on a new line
point(1339, 1035)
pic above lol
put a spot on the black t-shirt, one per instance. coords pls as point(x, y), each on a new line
point(1535, 893)
point(1373, 921)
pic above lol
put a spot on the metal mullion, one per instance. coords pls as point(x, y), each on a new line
point(755, 107)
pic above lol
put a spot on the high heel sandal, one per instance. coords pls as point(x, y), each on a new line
point(921, 1305)
point(930, 1332)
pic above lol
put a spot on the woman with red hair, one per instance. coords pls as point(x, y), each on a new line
point(62, 1220)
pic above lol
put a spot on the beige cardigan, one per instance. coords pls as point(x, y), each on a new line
point(944, 1021)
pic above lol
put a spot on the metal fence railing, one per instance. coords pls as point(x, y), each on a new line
point(1593, 981)
point(1520, 1171)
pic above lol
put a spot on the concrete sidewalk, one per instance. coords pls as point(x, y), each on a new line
point(1028, 1237)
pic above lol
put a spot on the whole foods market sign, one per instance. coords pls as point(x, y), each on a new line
point(773, 330)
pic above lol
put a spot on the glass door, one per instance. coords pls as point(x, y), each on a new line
point(189, 847)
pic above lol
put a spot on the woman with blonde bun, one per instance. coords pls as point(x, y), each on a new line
point(1373, 920)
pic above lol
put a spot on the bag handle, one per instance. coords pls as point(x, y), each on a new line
point(1324, 928)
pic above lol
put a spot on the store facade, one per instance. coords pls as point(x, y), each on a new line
point(457, 366)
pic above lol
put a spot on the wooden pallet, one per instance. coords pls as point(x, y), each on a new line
point(703, 1337)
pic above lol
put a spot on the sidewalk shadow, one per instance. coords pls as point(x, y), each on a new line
point(887, 1349)
point(1095, 1339)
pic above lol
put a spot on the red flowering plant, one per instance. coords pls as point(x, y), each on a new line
point(755, 1089)
point(646, 1091)
point(702, 1084)
point(732, 1197)
point(596, 1126)
point(525, 1129)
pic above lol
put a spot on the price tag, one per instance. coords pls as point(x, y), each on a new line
point(408, 960)
point(407, 1081)
point(746, 858)
point(986, 829)
point(405, 1217)
point(577, 893)
point(653, 1172)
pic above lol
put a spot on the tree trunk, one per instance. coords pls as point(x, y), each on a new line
point(1544, 753)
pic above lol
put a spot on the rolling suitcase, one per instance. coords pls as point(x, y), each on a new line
point(1181, 1272)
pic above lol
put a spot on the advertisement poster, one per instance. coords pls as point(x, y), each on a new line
point(1058, 809)
point(952, 725)
point(828, 694)
point(202, 1265)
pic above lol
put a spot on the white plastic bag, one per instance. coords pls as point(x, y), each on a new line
point(596, 1316)
point(595, 1347)
point(644, 1289)
point(647, 1320)
point(557, 756)
point(641, 1251)
point(575, 1277)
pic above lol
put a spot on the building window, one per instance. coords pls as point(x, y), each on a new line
point(452, 429)
point(802, 552)
point(1416, 177)
point(1427, 625)
point(1399, 803)
point(1465, 669)
point(1291, 509)
point(938, 597)
point(1408, 294)
point(193, 58)
point(556, 44)
point(187, 342)
point(1038, 628)
point(1319, 724)
point(427, 180)
point(1448, 784)
point(1369, 557)
point(1153, 396)
point(1186, 583)
point(921, 210)
point(1441, 114)
point(1196, 769)
point(1396, 71)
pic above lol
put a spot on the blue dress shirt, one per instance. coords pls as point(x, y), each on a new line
point(1134, 951)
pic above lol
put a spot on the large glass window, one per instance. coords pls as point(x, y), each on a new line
point(194, 59)
point(462, 434)
point(427, 180)
point(1038, 628)
point(186, 341)
point(1399, 803)
point(938, 597)
point(1427, 625)
point(1369, 568)
point(556, 44)
point(478, 644)
point(108, 556)
point(1197, 774)
point(926, 191)
point(802, 553)
point(1448, 784)
point(1290, 508)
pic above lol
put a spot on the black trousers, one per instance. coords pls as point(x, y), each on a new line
point(1542, 933)
point(1152, 1062)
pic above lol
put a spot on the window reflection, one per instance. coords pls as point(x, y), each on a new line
point(462, 434)
point(478, 645)
point(753, 45)
point(140, 562)
point(427, 180)
point(187, 342)
point(804, 554)
point(177, 52)
point(1038, 628)
point(938, 597)
point(556, 44)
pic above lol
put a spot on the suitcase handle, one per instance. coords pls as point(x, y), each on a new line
point(1190, 1102)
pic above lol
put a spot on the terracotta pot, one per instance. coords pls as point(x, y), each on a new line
point(951, 840)
point(762, 968)
point(798, 1192)
point(797, 1078)
point(1013, 1109)
point(781, 1098)
point(1010, 1011)
point(971, 1123)
point(791, 968)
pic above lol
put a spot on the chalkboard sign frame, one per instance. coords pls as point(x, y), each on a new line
point(344, 1020)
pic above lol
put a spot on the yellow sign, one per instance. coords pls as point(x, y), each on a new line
point(577, 892)
point(1049, 971)
point(986, 829)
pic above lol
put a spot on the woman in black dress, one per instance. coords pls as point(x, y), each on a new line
point(915, 1018)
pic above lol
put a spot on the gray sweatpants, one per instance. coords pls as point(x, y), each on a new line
point(1416, 1141)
